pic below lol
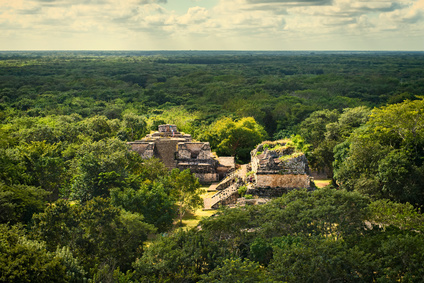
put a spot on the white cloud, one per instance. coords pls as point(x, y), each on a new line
point(244, 24)
point(195, 15)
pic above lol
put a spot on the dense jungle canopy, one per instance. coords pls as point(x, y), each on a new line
point(76, 205)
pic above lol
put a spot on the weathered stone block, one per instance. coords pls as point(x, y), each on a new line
point(283, 181)
point(145, 149)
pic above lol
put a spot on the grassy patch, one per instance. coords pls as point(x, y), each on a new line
point(191, 219)
point(322, 183)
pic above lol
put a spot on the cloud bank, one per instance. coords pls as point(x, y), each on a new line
point(227, 24)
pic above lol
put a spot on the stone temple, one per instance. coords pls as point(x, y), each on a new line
point(279, 168)
point(276, 168)
point(178, 150)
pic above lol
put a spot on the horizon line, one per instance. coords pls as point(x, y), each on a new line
point(199, 50)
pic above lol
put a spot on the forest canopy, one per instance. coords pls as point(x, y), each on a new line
point(77, 205)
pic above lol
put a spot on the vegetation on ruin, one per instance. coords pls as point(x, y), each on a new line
point(76, 205)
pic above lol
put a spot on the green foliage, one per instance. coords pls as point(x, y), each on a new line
point(299, 144)
point(300, 237)
point(248, 196)
point(74, 271)
point(236, 138)
point(236, 270)
point(242, 190)
point(150, 200)
point(385, 158)
point(96, 232)
point(41, 166)
point(261, 250)
point(322, 212)
point(320, 260)
point(401, 215)
point(152, 169)
point(313, 128)
point(133, 127)
point(181, 257)
point(400, 257)
point(185, 189)
point(324, 129)
point(101, 166)
point(64, 117)
point(24, 260)
point(229, 230)
point(183, 119)
point(19, 202)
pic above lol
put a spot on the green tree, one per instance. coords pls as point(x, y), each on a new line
point(319, 260)
point(237, 270)
point(230, 231)
point(313, 128)
point(185, 188)
point(44, 166)
point(325, 212)
point(96, 232)
point(385, 158)
point(152, 169)
point(150, 200)
point(99, 127)
point(401, 215)
point(25, 260)
point(19, 202)
point(101, 166)
point(400, 258)
point(179, 257)
point(236, 138)
point(133, 127)
point(325, 129)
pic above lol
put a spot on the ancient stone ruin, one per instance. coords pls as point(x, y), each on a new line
point(275, 168)
point(178, 150)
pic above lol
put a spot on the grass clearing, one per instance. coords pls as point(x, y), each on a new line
point(322, 183)
point(192, 219)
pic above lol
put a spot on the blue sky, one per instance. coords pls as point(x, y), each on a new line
point(211, 25)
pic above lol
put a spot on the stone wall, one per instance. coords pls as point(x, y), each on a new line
point(207, 178)
point(283, 181)
point(197, 167)
point(271, 163)
point(176, 150)
point(232, 199)
point(145, 149)
point(194, 150)
point(165, 150)
point(279, 165)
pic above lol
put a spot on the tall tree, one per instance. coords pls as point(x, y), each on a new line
point(97, 232)
point(385, 158)
point(236, 138)
point(325, 129)
point(101, 166)
point(185, 188)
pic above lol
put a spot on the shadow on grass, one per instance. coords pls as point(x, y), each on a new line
point(190, 216)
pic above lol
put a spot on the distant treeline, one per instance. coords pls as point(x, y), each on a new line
point(278, 89)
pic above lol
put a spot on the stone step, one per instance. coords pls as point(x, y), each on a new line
point(220, 196)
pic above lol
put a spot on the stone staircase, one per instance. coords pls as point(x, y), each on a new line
point(221, 197)
point(227, 192)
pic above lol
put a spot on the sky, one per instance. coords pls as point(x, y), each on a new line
point(212, 25)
